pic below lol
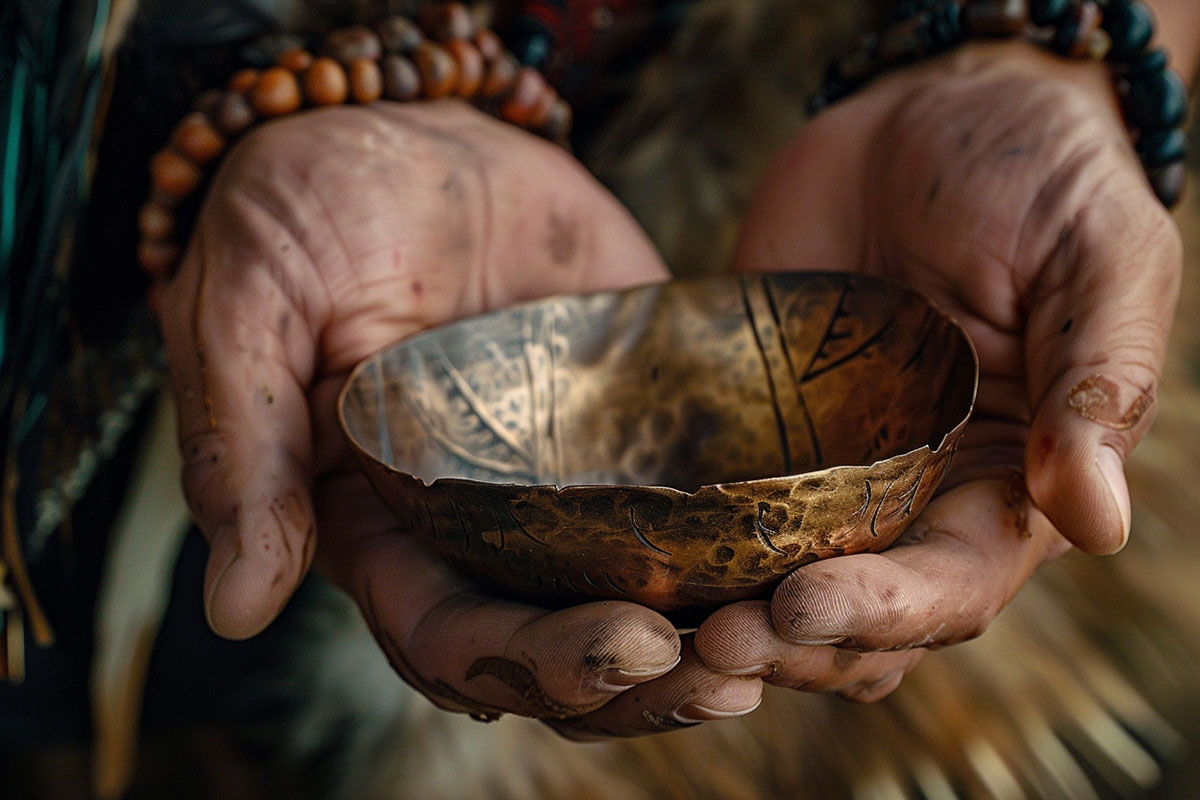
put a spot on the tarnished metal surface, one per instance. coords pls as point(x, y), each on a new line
point(708, 436)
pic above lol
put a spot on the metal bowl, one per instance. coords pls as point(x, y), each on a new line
point(682, 445)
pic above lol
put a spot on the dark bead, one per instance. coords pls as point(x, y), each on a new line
point(399, 35)
point(907, 9)
point(1159, 148)
point(1151, 62)
point(996, 17)
point(1158, 100)
point(856, 67)
point(1168, 182)
point(1048, 12)
point(352, 43)
point(401, 80)
point(1130, 25)
point(946, 25)
point(264, 51)
point(902, 42)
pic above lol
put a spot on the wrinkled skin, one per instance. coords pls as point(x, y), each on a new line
point(1001, 181)
point(329, 235)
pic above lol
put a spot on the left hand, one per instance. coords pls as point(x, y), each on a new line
point(1000, 181)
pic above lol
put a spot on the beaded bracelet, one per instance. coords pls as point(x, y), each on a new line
point(1153, 98)
point(441, 54)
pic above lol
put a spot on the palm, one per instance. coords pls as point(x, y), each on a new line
point(1006, 190)
point(323, 239)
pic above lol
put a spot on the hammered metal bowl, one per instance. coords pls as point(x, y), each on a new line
point(682, 445)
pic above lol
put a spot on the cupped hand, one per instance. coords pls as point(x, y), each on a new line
point(1000, 181)
point(323, 238)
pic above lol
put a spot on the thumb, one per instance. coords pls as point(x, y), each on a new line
point(244, 428)
point(1097, 335)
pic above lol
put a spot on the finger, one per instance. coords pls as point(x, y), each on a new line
point(471, 652)
point(958, 565)
point(688, 695)
point(739, 639)
point(1098, 328)
point(236, 345)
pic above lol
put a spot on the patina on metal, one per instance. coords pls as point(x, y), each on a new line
point(682, 445)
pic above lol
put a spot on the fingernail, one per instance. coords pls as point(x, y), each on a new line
point(1112, 469)
point(758, 671)
point(618, 680)
point(222, 555)
point(693, 713)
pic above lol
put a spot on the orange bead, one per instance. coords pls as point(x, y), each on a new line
point(277, 92)
point(366, 81)
point(470, 67)
point(501, 74)
point(439, 71)
point(557, 126)
point(243, 80)
point(172, 174)
point(158, 259)
point(325, 83)
point(296, 59)
point(527, 94)
point(197, 139)
point(539, 114)
point(155, 221)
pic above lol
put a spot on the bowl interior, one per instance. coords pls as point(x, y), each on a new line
point(681, 385)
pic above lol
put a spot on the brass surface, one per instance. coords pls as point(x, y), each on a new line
point(681, 446)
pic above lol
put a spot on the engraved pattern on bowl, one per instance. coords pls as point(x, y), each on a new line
point(682, 445)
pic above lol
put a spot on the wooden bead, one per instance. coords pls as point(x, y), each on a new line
point(366, 81)
point(1168, 182)
point(439, 71)
point(501, 75)
point(243, 80)
point(399, 35)
point(996, 17)
point(276, 93)
point(489, 44)
point(401, 80)
point(208, 101)
point(352, 43)
point(557, 126)
point(155, 221)
point(1074, 35)
point(325, 83)
point(470, 67)
point(1146, 64)
point(297, 59)
point(172, 174)
point(197, 139)
point(526, 97)
point(539, 114)
point(158, 259)
point(448, 22)
point(234, 114)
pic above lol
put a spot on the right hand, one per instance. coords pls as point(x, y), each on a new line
point(325, 237)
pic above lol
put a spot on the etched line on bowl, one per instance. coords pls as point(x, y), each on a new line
point(382, 432)
point(801, 400)
point(641, 537)
point(927, 327)
point(764, 532)
point(520, 526)
point(780, 423)
point(479, 408)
